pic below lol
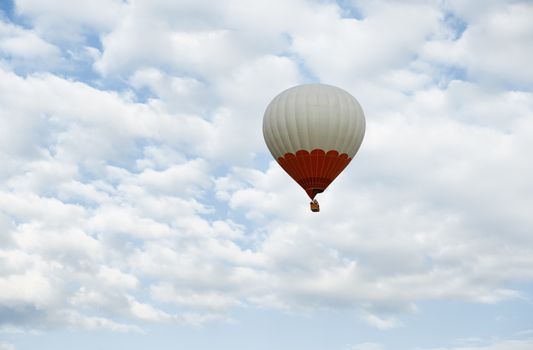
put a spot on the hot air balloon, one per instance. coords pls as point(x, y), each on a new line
point(314, 131)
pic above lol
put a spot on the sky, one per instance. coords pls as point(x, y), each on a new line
point(140, 207)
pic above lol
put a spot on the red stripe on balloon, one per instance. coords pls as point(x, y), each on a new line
point(314, 170)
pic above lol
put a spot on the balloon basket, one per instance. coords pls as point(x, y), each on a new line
point(314, 206)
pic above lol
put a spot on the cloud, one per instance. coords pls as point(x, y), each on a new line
point(156, 201)
point(382, 323)
point(451, 144)
point(29, 287)
point(492, 44)
point(69, 215)
point(350, 43)
point(65, 21)
point(439, 236)
point(76, 320)
point(23, 48)
point(210, 300)
point(153, 26)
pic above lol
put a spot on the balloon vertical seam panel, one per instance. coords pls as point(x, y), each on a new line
point(294, 121)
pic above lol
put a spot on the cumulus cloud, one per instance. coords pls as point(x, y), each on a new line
point(154, 202)
point(497, 39)
point(350, 43)
point(22, 48)
point(67, 21)
point(443, 235)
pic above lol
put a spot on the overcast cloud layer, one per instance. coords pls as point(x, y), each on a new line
point(136, 191)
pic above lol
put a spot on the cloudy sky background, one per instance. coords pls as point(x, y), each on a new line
point(140, 208)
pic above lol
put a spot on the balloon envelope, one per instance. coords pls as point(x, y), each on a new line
point(314, 131)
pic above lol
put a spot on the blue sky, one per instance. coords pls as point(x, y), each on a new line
point(139, 206)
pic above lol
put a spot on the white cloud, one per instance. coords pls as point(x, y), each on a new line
point(193, 51)
point(77, 132)
point(114, 278)
point(30, 287)
point(498, 39)
point(122, 210)
point(61, 203)
point(76, 320)
point(184, 94)
point(67, 21)
point(24, 49)
point(210, 300)
point(442, 234)
point(172, 38)
point(171, 180)
point(352, 51)
point(413, 247)
point(382, 323)
point(147, 312)
point(20, 43)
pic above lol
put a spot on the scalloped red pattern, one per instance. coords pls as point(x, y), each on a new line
point(314, 170)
